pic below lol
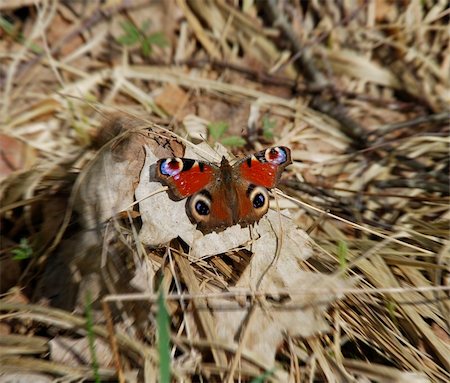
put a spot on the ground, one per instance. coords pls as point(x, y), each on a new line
point(345, 279)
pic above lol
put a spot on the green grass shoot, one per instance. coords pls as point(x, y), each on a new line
point(162, 320)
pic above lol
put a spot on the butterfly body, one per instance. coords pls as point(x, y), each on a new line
point(225, 195)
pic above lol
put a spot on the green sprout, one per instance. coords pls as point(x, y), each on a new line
point(134, 35)
point(162, 320)
point(23, 251)
point(218, 129)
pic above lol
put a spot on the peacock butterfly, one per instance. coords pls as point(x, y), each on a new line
point(225, 195)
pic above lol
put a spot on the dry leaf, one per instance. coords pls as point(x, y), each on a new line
point(15, 156)
point(302, 315)
point(76, 352)
point(108, 184)
point(196, 127)
point(173, 99)
point(106, 188)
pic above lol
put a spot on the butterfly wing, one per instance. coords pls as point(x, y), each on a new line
point(264, 168)
point(208, 203)
point(183, 176)
point(256, 174)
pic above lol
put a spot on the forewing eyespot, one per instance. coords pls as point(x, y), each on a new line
point(276, 155)
point(171, 167)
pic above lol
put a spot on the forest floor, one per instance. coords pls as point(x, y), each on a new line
point(98, 284)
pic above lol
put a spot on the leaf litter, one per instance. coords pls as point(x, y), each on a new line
point(359, 93)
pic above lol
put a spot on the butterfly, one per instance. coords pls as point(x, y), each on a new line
point(223, 195)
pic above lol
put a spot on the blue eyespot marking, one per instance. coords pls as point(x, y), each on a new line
point(276, 155)
point(171, 167)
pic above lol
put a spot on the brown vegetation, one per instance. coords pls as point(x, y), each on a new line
point(345, 280)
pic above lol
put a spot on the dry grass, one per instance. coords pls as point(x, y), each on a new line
point(358, 90)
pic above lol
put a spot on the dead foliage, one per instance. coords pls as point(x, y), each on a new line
point(344, 280)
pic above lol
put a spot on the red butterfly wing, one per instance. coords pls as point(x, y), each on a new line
point(184, 176)
point(264, 168)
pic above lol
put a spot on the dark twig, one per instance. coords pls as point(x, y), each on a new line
point(303, 59)
point(256, 75)
point(389, 128)
point(306, 66)
point(414, 183)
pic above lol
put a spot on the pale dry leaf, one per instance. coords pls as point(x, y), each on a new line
point(107, 185)
point(260, 238)
point(278, 230)
point(76, 352)
point(302, 315)
point(196, 127)
point(107, 189)
point(216, 243)
point(269, 270)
